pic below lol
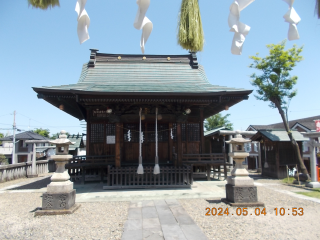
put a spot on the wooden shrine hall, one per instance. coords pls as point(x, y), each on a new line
point(143, 111)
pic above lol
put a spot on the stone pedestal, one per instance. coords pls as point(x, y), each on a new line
point(313, 185)
point(58, 201)
point(240, 189)
point(60, 196)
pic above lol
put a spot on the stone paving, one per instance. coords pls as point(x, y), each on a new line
point(157, 214)
point(160, 219)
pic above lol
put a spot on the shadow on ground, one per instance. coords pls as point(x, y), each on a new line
point(34, 185)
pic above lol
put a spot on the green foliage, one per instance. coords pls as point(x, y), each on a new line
point(190, 35)
point(55, 136)
point(42, 132)
point(291, 179)
point(1, 136)
point(3, 160)
point(216, 121)
point(275, 84)
point(43, 4)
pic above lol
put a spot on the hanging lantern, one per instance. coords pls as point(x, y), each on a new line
point(190, 36)
point(159, 117)
point(143, 117)
point(187, 111)
point(61, 107)
point(226, 108)
point(109, 110)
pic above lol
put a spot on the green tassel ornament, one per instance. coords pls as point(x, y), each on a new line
point(190, 36)
point(43, 4)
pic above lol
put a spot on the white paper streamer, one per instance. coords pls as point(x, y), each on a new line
point(83, 21)
point(142, 22)
point(293, 19)
point(240, 29)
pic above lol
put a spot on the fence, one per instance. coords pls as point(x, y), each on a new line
point(127, 177)
point(21, 170)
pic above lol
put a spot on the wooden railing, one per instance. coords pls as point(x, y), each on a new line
point(89, 168)
point(21, 170)
point(204, 158)
point(170, 176)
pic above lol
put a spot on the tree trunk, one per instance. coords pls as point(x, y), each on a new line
point(293, 141)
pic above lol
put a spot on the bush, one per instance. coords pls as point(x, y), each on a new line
point(3, 160)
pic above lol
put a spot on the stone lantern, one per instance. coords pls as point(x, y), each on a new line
point(60, 196)
point(240, 189)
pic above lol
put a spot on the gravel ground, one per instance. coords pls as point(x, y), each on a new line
point(102, 220)
point(269, 226)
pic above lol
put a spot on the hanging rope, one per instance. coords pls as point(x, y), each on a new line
point(43, 4)
point(190, 36)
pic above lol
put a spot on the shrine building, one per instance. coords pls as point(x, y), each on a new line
point(146, 109)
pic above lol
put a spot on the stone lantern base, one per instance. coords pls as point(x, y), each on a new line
point(242, 196)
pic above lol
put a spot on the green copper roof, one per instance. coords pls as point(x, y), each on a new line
point(133, 73)
point(281, 135)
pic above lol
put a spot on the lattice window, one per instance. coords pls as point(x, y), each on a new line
point(193, 132)
point(183, 132)
point(163, 132)
point(111, 129)
point(97, 133)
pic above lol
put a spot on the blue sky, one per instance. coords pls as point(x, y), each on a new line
point(41, 48)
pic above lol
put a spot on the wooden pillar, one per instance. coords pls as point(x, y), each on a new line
point(118, 144)
point(179, 144)
point(170, 141)
point(202, 149)
point(276, 149)
point(88, 138)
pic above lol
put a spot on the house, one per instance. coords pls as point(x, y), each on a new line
point(277, 151)
point(215, 143)
point(301, 125)
point(79, 147)
point(142, 110)
point(23, 150)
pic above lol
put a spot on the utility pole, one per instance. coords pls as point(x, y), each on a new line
point(14, 139)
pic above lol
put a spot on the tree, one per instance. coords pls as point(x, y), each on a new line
point(216, 121)
point(1, 136)
point(3, 160)
point(55, 136)
point(317, 10)
point(276, 85)
point(42, 132)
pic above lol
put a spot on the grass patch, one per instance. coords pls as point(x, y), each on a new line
point(291, 179)
point(314, 193)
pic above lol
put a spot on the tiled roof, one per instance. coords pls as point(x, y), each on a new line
point(77, 141)
point(213, 131)
point(132, 73)
point(306, 122)
point(280, 135)
point(29, 135)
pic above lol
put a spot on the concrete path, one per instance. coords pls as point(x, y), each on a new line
point(160, 219)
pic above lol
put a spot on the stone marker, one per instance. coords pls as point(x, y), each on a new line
point(60, 196)
point(240, 189)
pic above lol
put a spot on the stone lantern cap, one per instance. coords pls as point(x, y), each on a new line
point(238, 139)
point(62, 140)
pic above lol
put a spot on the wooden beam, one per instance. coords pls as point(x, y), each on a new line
point(118, 144)
point(179, 144)
point(202, 149)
